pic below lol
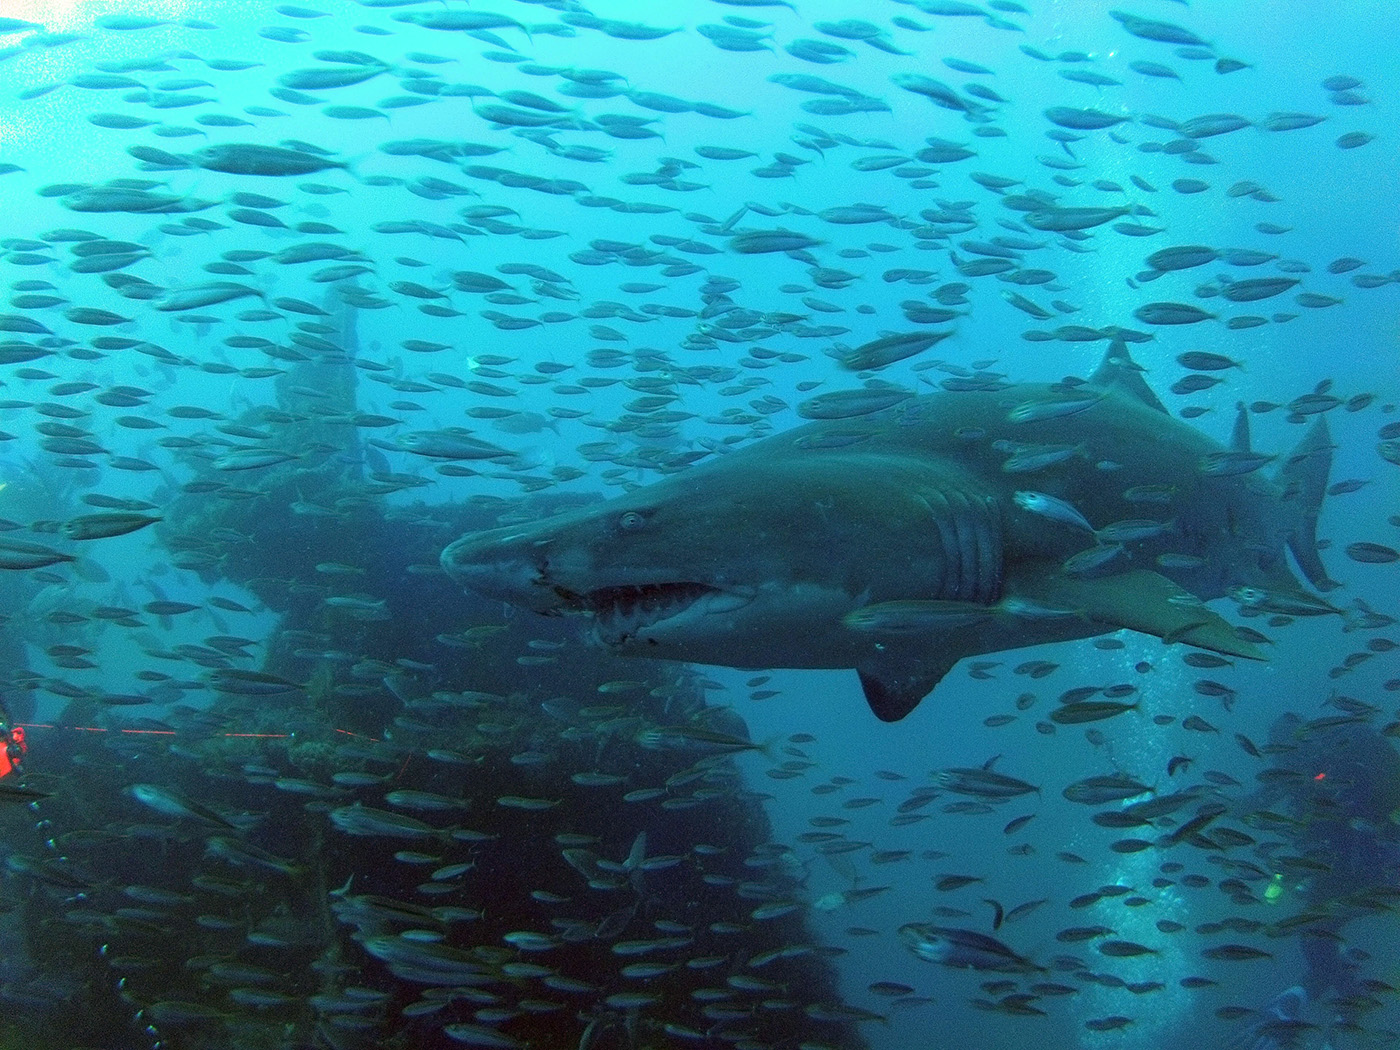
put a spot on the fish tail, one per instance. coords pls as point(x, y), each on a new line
point(1303, 477)
point(769, 747)
point(1239, 436)
point(351, 167)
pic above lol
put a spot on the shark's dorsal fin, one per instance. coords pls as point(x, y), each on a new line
point(1239, 436)
point(1120, 371)
point(1140, 601)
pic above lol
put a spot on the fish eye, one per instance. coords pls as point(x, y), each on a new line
point(631, 521)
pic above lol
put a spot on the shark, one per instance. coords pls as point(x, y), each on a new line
point(943, 526)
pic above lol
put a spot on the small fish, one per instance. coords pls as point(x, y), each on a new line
point(962, 949)
point(889, 349)
point(1286, 604)
point(248, 683)
point(697, 738)
point(1235, 953)
point(19, 554)
point(916, 617)
point(251, 459)
point(521, 802)
point(1108, 1024)
point(1075, 934)
point(18, 793)
point(247, 159)
point(1124, 949)
point(948, 883)
point(1052, 508)
point(759, 242)
point(1083, 119)
point(243, 854)
point(173, 804)
point(424, 801)
point(845, 404)
point(1053, 408)
point(1098, 790)
point(101, 526)
point(1228, 463)
point(1372, 553)
point(364, 821)
point(1089, 711)
point(1164, 313)
point(982, 783)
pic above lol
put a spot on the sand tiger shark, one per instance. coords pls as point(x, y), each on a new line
point(945, 526)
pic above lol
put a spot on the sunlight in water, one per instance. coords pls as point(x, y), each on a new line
point(48, 14)
point(68, 16)
point(34, 39)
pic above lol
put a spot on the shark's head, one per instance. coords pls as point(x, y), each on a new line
point(747, 562)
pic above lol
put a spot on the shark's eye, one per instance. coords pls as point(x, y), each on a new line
point(631, 521)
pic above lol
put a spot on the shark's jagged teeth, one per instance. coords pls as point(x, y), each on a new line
point(727, 601)
point(620, 612)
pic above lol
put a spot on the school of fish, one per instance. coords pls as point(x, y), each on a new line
point(297, 295)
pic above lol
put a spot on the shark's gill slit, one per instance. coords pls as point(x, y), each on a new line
point(948, 539)
point(969, 530)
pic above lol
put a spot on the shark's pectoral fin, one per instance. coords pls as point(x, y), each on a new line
point(894, 687)
point(1140, 601)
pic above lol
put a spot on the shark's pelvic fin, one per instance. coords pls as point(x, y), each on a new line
point(1140, 601)
point(893, 689)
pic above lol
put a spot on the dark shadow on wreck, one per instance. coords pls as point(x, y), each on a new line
point(580, 887)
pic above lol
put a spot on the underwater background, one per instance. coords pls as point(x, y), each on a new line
point(287, 785)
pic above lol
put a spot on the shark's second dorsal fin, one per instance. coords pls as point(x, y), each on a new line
point(1120, 371)
point(1239, 436)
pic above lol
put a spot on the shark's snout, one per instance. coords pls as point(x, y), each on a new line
point(495, 567)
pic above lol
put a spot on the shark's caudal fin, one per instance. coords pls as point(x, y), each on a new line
point(1118, 369)
point(1303, 478)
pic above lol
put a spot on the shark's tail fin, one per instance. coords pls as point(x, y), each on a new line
point(1303, 477)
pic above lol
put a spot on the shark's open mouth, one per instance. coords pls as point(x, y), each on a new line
point(620, 612)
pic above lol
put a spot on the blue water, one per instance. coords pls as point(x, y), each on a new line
point(1330, 203)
